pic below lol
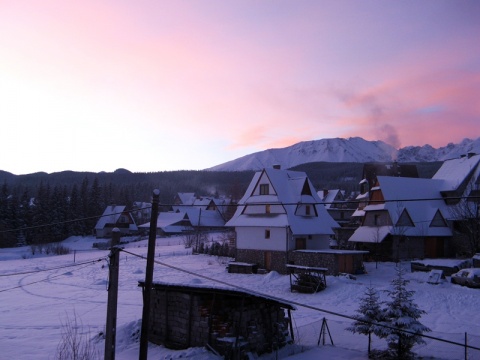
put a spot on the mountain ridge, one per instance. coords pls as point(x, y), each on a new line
point(353, 149)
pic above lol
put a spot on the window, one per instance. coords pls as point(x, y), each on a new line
point(264, 189)
point(307, 210)
point(376, 220)
point(267, 234)
point(267, 208)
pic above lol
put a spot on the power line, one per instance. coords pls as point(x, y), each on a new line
point(476, 198)
point(254, 292)
point(52, 277)
point(50, 269)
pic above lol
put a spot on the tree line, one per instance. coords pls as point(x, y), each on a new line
point(55, 207)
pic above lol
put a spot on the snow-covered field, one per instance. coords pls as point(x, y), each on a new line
point(39, 293)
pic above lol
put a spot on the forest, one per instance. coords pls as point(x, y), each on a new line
point(42, 208)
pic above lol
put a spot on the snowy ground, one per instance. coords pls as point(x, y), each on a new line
point(35, 303)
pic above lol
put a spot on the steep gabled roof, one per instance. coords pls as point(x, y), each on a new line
point(455, 172)
point(289, 190)
point(110, 215)
point(422, 200)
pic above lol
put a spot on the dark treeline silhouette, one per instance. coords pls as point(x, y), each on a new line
point(70, 203)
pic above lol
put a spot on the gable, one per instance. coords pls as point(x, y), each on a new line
point(306, 188)
point(263, 186)
point(438, 220)
point(404, 219)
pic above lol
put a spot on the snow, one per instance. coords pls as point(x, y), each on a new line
point(353, 149)
point(39, 292)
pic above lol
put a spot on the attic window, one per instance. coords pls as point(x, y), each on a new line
point(405, 219)
point(438, 220)
point(306, 188)
point(264, 190)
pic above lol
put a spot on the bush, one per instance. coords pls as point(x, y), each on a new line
point(75, 344)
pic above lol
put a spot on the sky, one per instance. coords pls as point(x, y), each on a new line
point(154, 85)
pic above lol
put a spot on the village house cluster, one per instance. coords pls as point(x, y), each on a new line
point(282, 220)
point(283, 224)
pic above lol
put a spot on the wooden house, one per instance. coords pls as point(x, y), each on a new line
point(115, 216)
point(405, 218)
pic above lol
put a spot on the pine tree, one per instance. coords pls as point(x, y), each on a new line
point(403, 329)
point(370, 314)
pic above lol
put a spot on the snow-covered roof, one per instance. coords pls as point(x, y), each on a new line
point(287, 189)
point(421, 197)
point(186, 198)
point(110, 215)
point(422, 200)
point(370, 234)
point(330, 197)
point(171, 222)
point(453, 172)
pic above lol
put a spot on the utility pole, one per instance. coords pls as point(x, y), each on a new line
point(111, 327)
point(149, 276)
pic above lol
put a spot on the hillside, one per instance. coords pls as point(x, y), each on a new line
point(351, 150)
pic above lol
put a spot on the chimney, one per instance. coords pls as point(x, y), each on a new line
point(277, 166)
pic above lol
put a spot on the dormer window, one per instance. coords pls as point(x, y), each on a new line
point(264, 190)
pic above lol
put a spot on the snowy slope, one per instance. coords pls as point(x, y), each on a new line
point(35, 303)
point(353, 149)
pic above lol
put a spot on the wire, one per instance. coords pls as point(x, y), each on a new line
point(47, 279)
point(53, 268)
point(253, 292)
point(476, 198)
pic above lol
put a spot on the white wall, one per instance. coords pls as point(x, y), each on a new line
point(318, 242)
point(253, 238)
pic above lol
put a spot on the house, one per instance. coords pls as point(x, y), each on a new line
point(115, 216)
point(228, 320)
point(279, 214)
point(341, 210)
point(395, 169)
point(405, 218)
point(190, 213)
point(461, 191)
point(170, 223)
point(141, 212)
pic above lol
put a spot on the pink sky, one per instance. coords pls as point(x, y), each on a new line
point(168, 85)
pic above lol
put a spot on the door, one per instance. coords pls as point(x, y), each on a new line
point(434, 247)
point(267, 260)
point(300, 243)
point(345, 264)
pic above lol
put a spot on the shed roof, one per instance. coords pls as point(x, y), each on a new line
point(201, 288)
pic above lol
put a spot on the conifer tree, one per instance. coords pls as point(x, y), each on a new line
point(403, 329)
point(370, 314)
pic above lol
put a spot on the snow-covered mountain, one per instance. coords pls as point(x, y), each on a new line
point(353, 149)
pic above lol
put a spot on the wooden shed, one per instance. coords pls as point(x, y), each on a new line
point(231, 322)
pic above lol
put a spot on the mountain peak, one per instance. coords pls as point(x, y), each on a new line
point(353, 149)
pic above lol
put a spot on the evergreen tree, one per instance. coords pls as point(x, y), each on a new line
point(401, 314)
point(74, 212)
point(370, 314)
